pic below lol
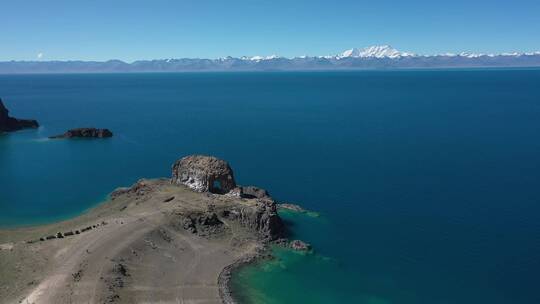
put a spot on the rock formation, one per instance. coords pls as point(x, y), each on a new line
point(8, 124)
point(253, 192)
point(249, 192)
point(85, 133)
point(204, 224)
point(209, 174)
point(261, 216)
point(140, 188)
point(203, 174)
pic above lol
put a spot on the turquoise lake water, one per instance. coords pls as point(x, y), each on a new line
point(426, 182)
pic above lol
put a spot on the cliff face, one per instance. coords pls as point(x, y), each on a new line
point(9, 124)
point(261, 217)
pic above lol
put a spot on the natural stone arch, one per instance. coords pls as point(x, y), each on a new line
point(203, 174)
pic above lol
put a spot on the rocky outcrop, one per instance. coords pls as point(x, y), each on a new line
point(204, 224)
point(203, 174)
point(209, 174)
point(139, 189)
point(85, 133)
point(9, 124)
point(253, 192)
point(261, 217)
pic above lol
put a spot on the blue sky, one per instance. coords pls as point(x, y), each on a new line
point(131, 30)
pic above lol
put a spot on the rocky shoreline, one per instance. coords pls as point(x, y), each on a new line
point(224, 279)
point(10, 124)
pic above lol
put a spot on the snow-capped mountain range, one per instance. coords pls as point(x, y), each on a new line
point(377, 51)
point(373, 57)
point(387, 51)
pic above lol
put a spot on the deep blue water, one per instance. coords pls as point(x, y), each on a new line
point(427, 181)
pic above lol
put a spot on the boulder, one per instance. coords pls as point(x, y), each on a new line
point(203, 174)
point(85, 133)
point(9, 124)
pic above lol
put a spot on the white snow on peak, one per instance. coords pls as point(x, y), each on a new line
point(470, 55)
point(514, 54)
point(477, 55)
point(377, 51)
point(386, 51)
point(260, 58)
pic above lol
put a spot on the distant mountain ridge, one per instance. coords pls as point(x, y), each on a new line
point(377, 51)
point(374, 57)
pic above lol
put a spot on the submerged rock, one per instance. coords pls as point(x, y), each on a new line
point(299, 245)
point(291, 207)
point(9, 124)
point(203, 174)
point(85, 133)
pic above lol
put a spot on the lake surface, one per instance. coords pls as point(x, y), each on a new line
point(426, 182)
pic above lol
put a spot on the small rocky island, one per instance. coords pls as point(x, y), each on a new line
point(9, 124)
point(173, 240)
point(85, 133)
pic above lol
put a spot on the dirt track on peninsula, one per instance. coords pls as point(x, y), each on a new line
point(136, 252)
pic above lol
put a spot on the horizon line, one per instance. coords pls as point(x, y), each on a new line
point(384, 47)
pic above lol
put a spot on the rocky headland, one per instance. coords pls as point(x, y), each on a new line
point(162, 240)
point(9, 124)
point(84, 133)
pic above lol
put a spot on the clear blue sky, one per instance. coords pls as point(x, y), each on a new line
point(130, 30)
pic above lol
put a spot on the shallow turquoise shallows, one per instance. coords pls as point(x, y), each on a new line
point(426, 182)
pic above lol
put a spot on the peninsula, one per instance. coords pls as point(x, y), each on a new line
point(9, 124)
point(162, 240)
